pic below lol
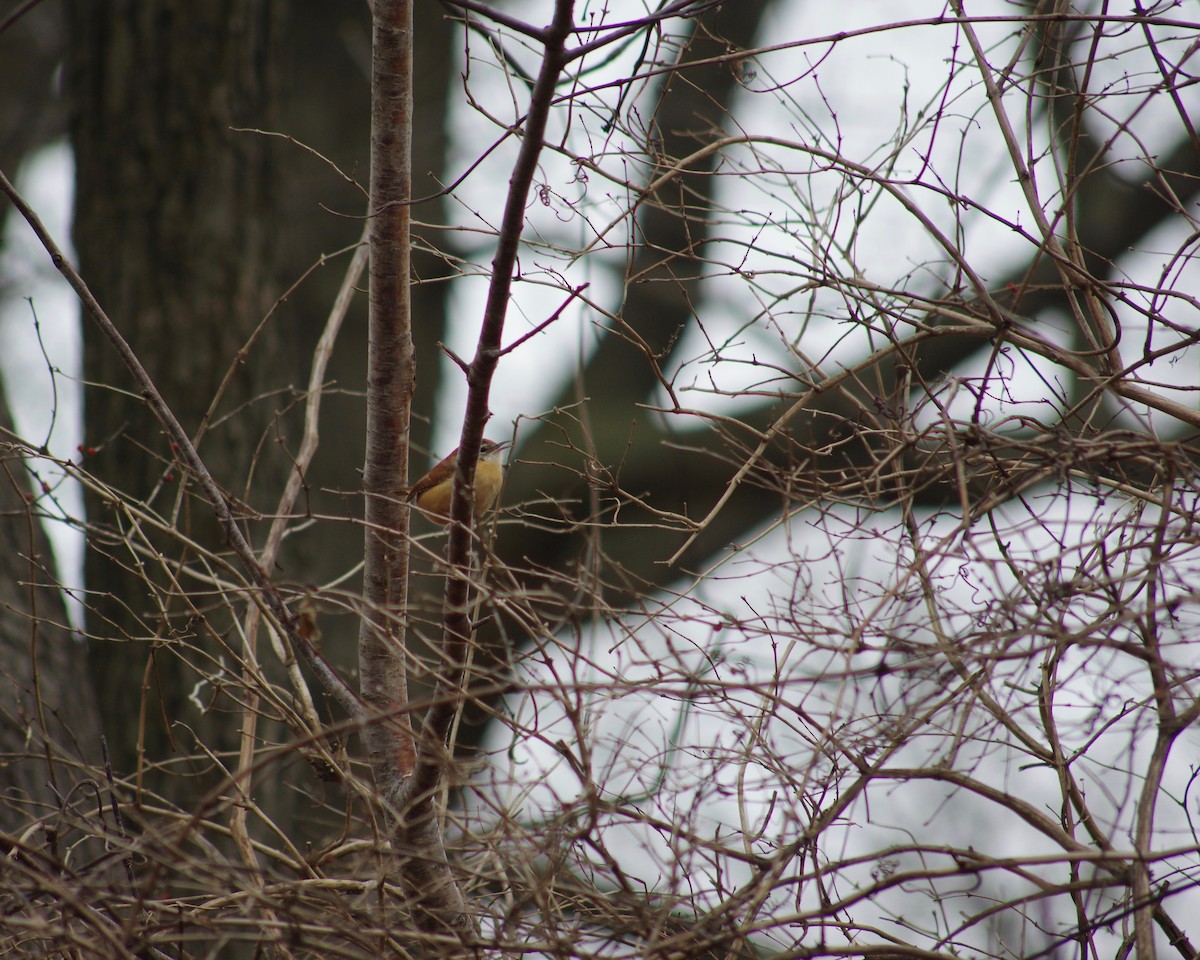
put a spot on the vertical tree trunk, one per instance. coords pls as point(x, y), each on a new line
point(173, 231)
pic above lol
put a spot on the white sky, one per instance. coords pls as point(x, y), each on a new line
point(42, 378)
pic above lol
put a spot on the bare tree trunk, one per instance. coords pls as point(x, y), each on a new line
point(437, 903)
point(173, 231)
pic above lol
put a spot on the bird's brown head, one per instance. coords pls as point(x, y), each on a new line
point(491, 450)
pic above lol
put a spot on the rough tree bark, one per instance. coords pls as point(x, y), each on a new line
point(173, 228)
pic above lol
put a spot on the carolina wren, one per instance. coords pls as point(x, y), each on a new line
point(432, 492)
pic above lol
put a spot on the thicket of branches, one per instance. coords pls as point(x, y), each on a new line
point(842, 600)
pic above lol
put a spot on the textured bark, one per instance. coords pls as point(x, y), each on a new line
point(391, 379)
point(436, 901)
point(173, 232)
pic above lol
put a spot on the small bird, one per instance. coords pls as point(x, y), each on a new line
point(432, 492)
